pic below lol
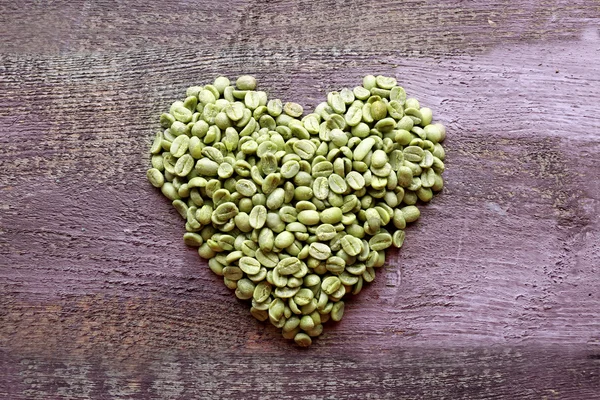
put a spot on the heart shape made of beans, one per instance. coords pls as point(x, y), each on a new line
point(296, 211)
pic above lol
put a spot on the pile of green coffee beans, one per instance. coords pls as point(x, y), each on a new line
point(293, 211)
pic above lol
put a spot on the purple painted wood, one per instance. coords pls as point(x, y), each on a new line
point(494, 294)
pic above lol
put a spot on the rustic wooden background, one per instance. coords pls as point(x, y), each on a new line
point(495, 294)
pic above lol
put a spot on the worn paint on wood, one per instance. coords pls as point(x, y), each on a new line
point(494, 295)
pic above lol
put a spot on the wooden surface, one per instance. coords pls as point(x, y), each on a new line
point(495, 294)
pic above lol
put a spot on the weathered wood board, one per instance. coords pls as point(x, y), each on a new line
point(495, 294)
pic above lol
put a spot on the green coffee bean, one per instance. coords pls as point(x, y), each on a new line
point(180, 112)
point(355, 180)
point(224, 212)
point(380, 241)
point(169, 191)
point(234, 256)
point(322, 169)
point(438, 165)
point(224, 242)
point(413, 153)
point(284, 239)
point(395, 110)
point(385, 82)
point(278, 279)
point(379, 159)
point(378, 110)
point(325, 232)
point(267, 259)
point(354, 115)
point(311, 123)
point(303, 267)
point(157, 162)
point(305, 205)
point(405, 175)
point(438, 183)
point(184, 165)
point(351, 245)
point(337, 311)
point(335, 265)
point(290, 169)
point(398, 238)
point(305, 149)
point(275, 199)
point(331, 215)
point(361, 93)
point(245, 187)
point(215, 266)
point(274, 222)
point(293, 109)
point(261, 315)
point(179, 146)
point(308, 217)
point(307, 323)
point(249, 265)
point(206, 96)
point(245, 289)
point(302, 339)
point(347, 95)
point(410, 198)
point(369, 82)
point(338, 137)
point(235, 111)
point(233, 273)
point(286, 292)
point(364, 147)
point(293, 322)
point(424, 194)
point(276, 309)
point(248, 123)
point(207, 167)
point(200, 129)
point(266, 239)
point(211, 187)
point(192, 239)
point(155, 177)
point(398, 94)
point(312, 281)
point(251, 100)
point(270, 183)
point(246, 82)
point(357, 269)
point(205, 251)
point(303, 297)
point(337, 184)
point(166, 120)
point(414, 114)
point(258, 217)
point(320, 188)
point(289, 266)
point(225, 171)
point(336, 102)
point(330, 284)
point(348, 279)
point(320, 251)
point(410, 213)
point(428, 178)
point(222, 121)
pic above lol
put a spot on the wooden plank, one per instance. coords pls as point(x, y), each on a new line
point(404, 373)
point(494, 295)
point(417, 27)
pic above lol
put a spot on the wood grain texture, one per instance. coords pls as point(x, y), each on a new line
point(494, 294)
